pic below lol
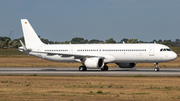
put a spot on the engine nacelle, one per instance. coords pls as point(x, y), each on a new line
point(94, 62)
point(126, 65)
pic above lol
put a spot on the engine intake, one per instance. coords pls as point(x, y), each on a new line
point(126, 65)
point(94, 62)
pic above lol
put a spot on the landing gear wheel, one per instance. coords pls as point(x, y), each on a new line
point(156, 67)
point(82, 68)
point(105, 68)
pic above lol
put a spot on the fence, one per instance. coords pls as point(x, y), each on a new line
point(10, 52)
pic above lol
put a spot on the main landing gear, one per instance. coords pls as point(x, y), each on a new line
point(105, 68)
point(156, 67)
point(82, 68)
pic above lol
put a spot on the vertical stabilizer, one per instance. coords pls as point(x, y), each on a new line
point(30, 35)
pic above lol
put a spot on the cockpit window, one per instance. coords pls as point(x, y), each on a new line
point(168, 49)
point(165, 49)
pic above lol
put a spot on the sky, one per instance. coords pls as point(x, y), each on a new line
point(60, 20)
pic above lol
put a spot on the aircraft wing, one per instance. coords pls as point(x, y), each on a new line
point(77, 56)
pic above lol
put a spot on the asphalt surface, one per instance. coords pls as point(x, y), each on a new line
point(113, 71)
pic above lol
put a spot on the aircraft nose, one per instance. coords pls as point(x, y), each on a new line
point(173, 56)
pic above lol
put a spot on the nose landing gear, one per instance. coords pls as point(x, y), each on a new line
point(156, 67)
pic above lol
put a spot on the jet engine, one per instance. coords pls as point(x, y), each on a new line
point(126, 65)
point(94, 62)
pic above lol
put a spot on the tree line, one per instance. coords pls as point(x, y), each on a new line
point(7, 42)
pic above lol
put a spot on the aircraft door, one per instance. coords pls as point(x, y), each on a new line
point(71, 50)
point(151, 51)
point(39, 54)
point(100, 50)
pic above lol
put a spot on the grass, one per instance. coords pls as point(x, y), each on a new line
point(99, 92)
point(139, 93)
point(54, 91)
point(67, 88)
point(30, 61)
point(91, 92)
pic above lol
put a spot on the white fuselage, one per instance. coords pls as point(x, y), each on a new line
point(95, 55)
point(113, 53)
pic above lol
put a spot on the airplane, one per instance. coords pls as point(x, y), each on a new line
point(95, 56)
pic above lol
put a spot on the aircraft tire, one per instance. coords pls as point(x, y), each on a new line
point(105, 68)
point(156, 69)
point(82, 68)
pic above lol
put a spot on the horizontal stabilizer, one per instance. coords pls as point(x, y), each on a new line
point(23, 45)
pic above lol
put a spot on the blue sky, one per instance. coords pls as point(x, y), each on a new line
point(59, 20)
